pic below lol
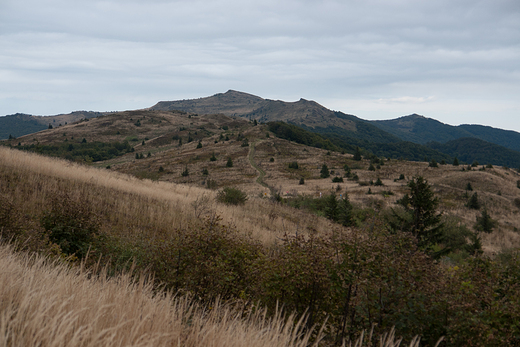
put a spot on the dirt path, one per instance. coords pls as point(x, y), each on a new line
point(261, 173)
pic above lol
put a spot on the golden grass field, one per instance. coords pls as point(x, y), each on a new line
point(137, 201)
point(497, 187)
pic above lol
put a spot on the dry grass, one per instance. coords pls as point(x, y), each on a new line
point(48, 304)
point(134, 207)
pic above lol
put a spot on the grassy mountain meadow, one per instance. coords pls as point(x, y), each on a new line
point(199, 228)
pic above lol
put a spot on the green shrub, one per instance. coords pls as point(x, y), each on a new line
point(229, 162)
point(293, 165)
point(231, 196)
point(337, 179)
point(71, 223)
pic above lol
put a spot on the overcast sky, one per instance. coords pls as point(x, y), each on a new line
point(457, 61)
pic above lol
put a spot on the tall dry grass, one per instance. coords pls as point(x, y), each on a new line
point(132, 206)
point(50, 304)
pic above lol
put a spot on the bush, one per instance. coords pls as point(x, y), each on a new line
point(302, 181)
point(337, 179)
point(71, 223)
point(293, 165)
point(229, 162)
point(232, 196)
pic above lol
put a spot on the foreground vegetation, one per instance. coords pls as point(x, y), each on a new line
point(361, 275)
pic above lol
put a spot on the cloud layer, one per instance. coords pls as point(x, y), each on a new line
point(456, 61)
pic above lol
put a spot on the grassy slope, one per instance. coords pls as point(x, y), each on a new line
point(50, 304)
point(140, 209)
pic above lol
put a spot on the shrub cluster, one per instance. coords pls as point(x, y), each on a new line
point(82, 151)
point(231, 196)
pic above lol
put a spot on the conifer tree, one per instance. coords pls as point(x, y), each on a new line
point(357, 154)
point(484, 222)
point(324, 173)
point(421, 218)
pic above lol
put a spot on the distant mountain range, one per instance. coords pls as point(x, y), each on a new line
point(419, 129)
point(412, 137)
point(22, 124)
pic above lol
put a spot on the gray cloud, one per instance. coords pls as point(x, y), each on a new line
point(457, 61)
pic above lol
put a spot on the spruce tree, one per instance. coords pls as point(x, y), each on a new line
point(345, 211)
point(473, 202)
point(421, 218)
point(484, 222)
point(324, 173)
point(357, 154)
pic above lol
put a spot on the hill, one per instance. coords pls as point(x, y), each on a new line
point(300, 239)
point(470, 149)
point(405, 137)
point(419, 129)
point(302, 113)
point(23, 124)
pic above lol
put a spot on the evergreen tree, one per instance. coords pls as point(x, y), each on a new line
point(229, 162)
point(345, 211)
point(484, 222)
point(357, 154)
point(324, 173)
point(473, 202)
point(455, 162)
point(199, 145)
point(331, 207)
point(420, 218)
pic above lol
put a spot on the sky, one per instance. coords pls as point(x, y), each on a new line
point(457, 61)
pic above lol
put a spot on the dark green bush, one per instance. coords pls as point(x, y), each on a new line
point(293, 165)
point(232, 196)
point(71, 223)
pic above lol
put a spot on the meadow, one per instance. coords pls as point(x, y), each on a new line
point(221, 273)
